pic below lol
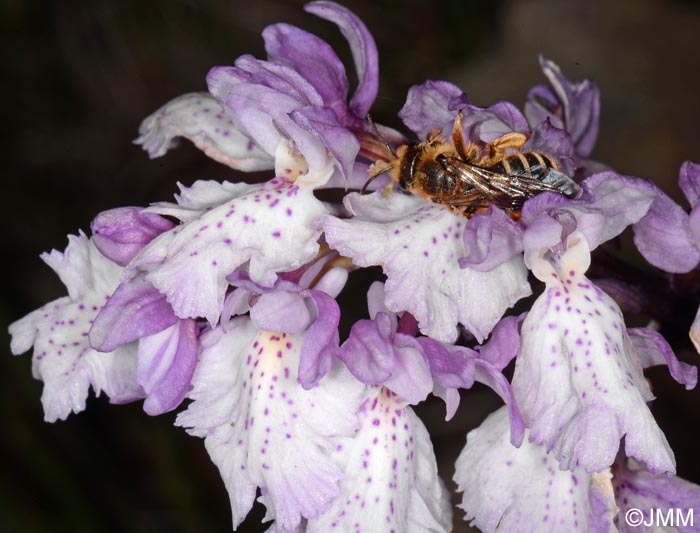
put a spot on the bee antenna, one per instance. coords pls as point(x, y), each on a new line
point(372, 178)
point(380, 136)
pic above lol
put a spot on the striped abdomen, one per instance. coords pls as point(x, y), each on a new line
point(531, 164)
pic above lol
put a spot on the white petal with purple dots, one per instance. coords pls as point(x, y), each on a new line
point(392, 483)
point(522, 490)
point(63, 358)
point(262, 429)
point(267, 227)
point(200, 118)
point(578, 380)
point(419, 245)
point(201, 196)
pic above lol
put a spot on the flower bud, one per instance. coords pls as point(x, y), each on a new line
point(121, 233)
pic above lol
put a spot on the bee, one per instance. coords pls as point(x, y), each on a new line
point(458, 176)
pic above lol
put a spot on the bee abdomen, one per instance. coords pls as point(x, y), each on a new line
point(532, 164)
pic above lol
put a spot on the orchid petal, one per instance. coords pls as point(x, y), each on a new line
point(63, 358)
point(135, 310)
point(652, 350)
point(519, 490)
point(486, 124)
point(120, 234)
point(491, 376)
point(262, 429)
point(504, 343)
point(664, 236)
point(341, 142)
point(428, 106)
point(201, 119)
point(574, 107)
point(689, 182)
point(312, 58)
point(266, 225)
point(320, 341)
point(391, 474)
point(490, 239)
point(418, 246)
point(637, 488)
point(281, 311)
point(362, 47)
point(165, 366)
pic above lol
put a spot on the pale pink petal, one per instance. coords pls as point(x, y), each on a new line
point(266, 228)
point(201, 196)
point(166, 363)
point(419, 246)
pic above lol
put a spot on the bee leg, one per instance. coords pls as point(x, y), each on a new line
point(468, 204)
point(388, 190)
point(467, 152)
point(498, 147)
point(509, 140)
point(458, 137)
point(514, 214)
point(433, 135)
point(376, 170)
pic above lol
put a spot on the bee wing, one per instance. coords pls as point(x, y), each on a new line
point(505, 191)
point(562, 183)
point(553, 181)
point(483, 186)
point(469, 175)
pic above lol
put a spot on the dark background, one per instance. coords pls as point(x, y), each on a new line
point(80, 76)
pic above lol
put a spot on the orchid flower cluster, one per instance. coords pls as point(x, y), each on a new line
point(223, 304)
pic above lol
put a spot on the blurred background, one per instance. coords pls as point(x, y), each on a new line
point(80, 76)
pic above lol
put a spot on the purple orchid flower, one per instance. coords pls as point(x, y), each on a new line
point(63, 358)
point(524, 489)
point(136, 311)
point(229, 298)
point(578, 379)
point(572, 107)
point(295, 308)
point(669, 238)
point(300, 93)
point(262, 429)
point(270, 395)
point(384, 351)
